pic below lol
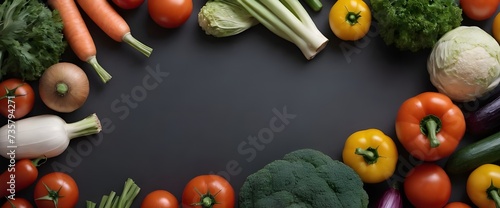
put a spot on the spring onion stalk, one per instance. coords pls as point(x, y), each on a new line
point(289, 20)
point(45, 135)
point(129, 193)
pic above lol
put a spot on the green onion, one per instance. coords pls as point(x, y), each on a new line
point(129, 193)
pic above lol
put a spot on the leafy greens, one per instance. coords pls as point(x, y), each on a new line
point(31, 38)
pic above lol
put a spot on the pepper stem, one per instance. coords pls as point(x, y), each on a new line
point(430, 127)
point(492, 193)
point(370, 154)
point(495, 197)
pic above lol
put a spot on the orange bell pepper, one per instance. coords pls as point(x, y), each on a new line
point(430, 126)
point(483, 186)
point(371, 154)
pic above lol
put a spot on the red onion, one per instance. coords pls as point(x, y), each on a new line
point(391, 198)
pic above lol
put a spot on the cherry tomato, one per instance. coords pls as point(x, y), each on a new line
point(26, 173)
point(23, 98)
point(457, 205)
point(160, 199)
point(350, 19)
point(208, 190)
point(170, 13)
point(56, 185)
point(128, 4)
point(479, 9)
point(427, 185)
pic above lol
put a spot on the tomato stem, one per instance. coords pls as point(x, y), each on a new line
point(430, 126)
point(10, 93)
point(39, 161)
point(370, 154)
point(51, 195)
point(206, 200)
point(352, 17)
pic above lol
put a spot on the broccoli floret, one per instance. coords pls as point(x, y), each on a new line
point(415, 24)
point(304, 178)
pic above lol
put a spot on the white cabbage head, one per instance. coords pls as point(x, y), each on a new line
point(465, 63)
point(223, 18)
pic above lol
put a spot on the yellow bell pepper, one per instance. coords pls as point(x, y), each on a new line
point(372, 154)
point(483, 186)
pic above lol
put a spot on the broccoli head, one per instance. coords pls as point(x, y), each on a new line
point(415, 24)
point(303, 178)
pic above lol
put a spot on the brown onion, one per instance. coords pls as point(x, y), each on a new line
point(64, 87)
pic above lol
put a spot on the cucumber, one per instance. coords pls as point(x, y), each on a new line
point(485, 120)
point(474, 155)
point(315, 5)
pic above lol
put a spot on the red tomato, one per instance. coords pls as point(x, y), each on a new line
point(17, 203)
point(25, 172)
point(23, 98)
point(479, 9)
point(207, 191)
point(427, 185)
point(170, 13)
point(160, 199)
point(62, 187)
point(457, 205)
point(128, 4)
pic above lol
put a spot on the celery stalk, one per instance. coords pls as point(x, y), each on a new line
point(290, 21)
point(294, 23)
point(302, 14)
point(275, 25)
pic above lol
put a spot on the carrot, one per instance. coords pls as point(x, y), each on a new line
point(106, 18)
point(78, 35)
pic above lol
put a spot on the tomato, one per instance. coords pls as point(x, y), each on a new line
point(170, 13)
point(160, 199)
point(457, 205)
point(56, 186)
point(208, 191)
point(427, 185)
point(128, 4)
point(479, 9)
point(23, 98)
point(25, 172)
point(17, 203)
point(350, 19)
point(496, 27)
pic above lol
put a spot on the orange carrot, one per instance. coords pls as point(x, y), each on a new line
point(78, 35)
point(106, 18)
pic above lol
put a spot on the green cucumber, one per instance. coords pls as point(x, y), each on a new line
point(315, 5)
point(471, 156)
